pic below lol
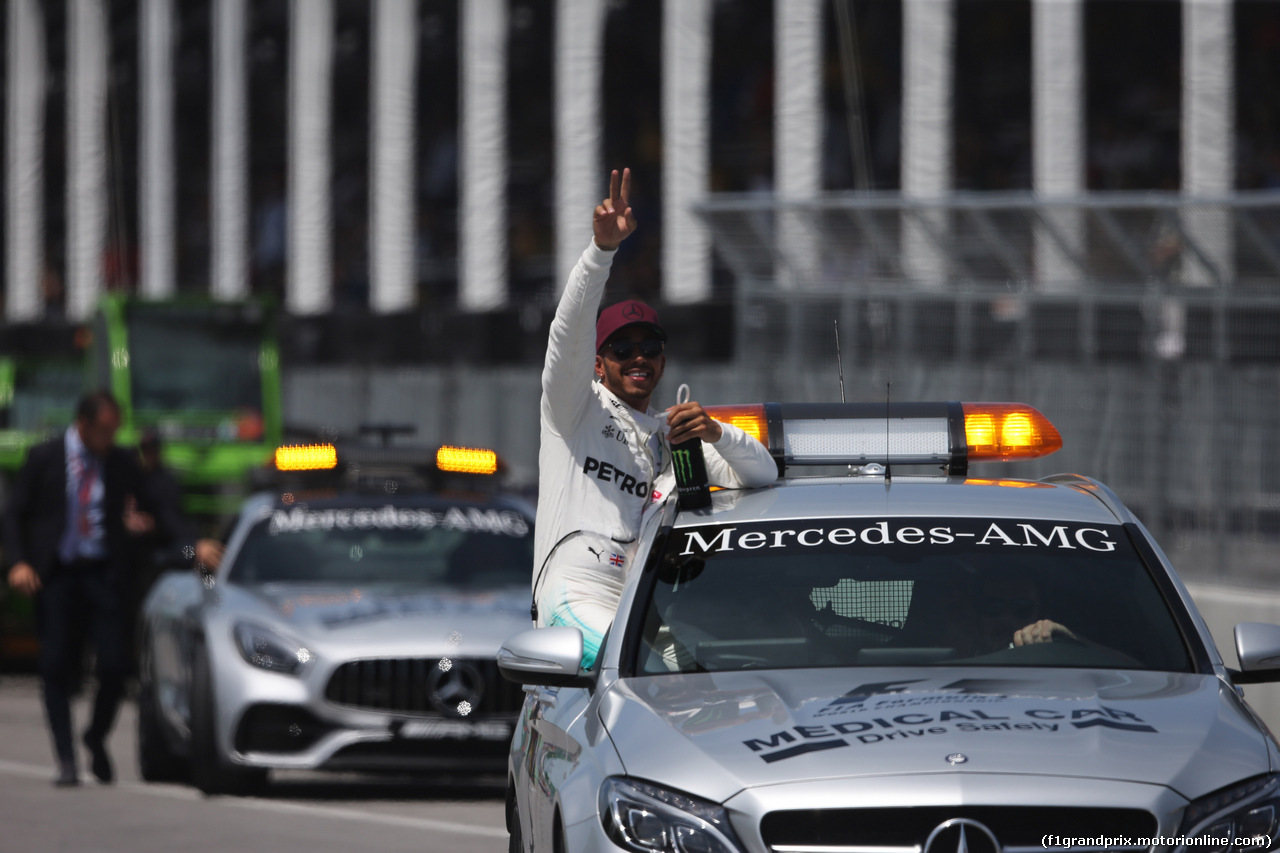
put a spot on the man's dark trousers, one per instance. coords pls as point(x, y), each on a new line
point(81, 599)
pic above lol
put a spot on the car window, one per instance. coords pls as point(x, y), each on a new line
point(457, 547)
point(904, 592)
point(197, 360)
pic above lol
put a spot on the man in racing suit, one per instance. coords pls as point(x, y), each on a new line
point(604, 462)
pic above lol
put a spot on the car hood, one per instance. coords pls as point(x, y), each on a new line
point(739, 730)
point(378, 615)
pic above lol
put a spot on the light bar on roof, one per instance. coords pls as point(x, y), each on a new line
point(306, 457)
point(466, 460)
point(750, 419)
point(815, 441)
point(1004, 432)
point(947, 434)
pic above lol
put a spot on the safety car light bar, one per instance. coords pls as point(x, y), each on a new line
point(306, 457)
point(948, 434)
point(466, 460)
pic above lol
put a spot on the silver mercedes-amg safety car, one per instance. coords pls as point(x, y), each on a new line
point(888, 662)
point(349, 632)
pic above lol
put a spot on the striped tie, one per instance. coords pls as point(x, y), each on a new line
point(87, 477)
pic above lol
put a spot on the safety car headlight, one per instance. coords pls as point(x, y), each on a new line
point(1239, 818)
point(642, 817)
point(268, 650)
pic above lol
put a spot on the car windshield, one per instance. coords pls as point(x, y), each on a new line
point(904, 592)
point(457, 547)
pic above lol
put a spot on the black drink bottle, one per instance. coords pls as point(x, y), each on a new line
point(692, 488)
point(691, 474)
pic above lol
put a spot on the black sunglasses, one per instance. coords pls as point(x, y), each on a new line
point(622, 350)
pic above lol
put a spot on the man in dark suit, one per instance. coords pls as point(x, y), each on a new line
point(65, 539)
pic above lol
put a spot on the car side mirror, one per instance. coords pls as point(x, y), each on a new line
point(1258, 649)
point(545, 657)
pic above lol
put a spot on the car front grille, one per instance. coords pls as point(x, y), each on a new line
point(1016, 829)
point(466, 687)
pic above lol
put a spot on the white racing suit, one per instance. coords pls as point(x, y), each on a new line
point(603, 469)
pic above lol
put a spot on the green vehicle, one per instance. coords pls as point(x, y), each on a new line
point(206, 376)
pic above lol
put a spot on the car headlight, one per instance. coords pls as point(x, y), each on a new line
point(1242, 817)
point(268, 650)
point(642, 817)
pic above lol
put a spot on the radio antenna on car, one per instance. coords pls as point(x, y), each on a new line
point(888, 473)
point(835, 324)
point(839, 362)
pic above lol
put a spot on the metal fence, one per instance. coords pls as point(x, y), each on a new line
point(1107, 241)
point(1146, 327)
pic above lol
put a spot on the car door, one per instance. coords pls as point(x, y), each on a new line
point(170, 616)
point(551, 725)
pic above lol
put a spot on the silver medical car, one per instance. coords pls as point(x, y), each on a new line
point(353, 631)
point(879, 661)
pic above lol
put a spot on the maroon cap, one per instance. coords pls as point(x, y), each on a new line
point(622, 314)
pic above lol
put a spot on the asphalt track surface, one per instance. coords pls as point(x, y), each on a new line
point(312, 812)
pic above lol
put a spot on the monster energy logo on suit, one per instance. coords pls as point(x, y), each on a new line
point(691, 474)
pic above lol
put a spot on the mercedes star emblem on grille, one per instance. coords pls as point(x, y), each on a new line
point(449, 688)
point(961, 835)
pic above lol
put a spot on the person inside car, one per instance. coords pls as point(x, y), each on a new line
point(1010, 613)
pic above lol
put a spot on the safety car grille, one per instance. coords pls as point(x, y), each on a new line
point(1015, 828)
point(460, 688)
